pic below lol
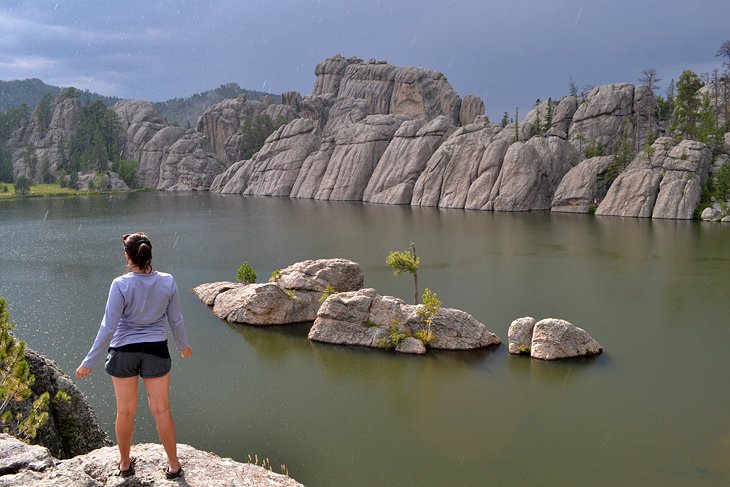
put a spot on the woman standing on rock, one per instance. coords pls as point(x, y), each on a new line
point(134, 330)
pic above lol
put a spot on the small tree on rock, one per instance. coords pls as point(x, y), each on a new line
point(406, 261)
point(246, 274)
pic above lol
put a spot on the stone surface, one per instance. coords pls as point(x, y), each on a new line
point(209, 291)
point(28, 466)
point(554, 339)
point(312, 170)
point(276, 166)
point(604, 117)
point(531, 173)
point(449, 173)
point(519, 335)
point(357, 152)
point(712, 214)
point(189, 165)
point(153, 153)
point(362, 318)
point(411, 345)
point(471, 107)
point(293, 297)
point(664, 183)
point(490, 165)
point(726, 140)
point(404, 160)
point(583, 187)
point(316, 275)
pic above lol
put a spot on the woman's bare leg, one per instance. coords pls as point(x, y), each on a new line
point(125, 390)
point(158, 398)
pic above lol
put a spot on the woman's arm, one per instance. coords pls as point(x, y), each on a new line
point(112, 314)
point(177, 324)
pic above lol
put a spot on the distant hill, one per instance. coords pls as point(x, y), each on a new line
point(185, 111)
point(179, 111)
point(30, 91)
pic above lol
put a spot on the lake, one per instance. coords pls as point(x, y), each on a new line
point(651, 410)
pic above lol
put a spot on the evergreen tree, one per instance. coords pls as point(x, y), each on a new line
point(724, 51)
point(687, 105)
point(15, 385)
point(505, 120)
point(22, 186)
point(650, 79)
point(572, 88)
point(254, 132)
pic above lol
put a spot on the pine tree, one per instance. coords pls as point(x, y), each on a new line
point(687, 105)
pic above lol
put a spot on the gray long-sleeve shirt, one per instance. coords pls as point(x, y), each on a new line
point(135, 312)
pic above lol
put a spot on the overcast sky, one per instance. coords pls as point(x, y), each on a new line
point(508, 52)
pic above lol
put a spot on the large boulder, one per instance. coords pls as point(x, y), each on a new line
point(404, 160)
point(34, 466)
point(550, 339)
point(329, 74)
point(293, 295)
point(583, 187)
point(554, 339)
point(519, 335)
point(224, 119)
point(72, 427)
point(366, 318)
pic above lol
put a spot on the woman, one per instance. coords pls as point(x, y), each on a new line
point(134, 330)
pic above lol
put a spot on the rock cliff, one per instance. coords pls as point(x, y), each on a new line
point(376, 132)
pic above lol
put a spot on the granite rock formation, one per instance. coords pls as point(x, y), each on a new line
point(665, 182)
point(293, 296)
point(363, 318)
point(550, 339)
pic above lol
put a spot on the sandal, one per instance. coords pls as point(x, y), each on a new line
point(169, 475)
point(130, 471)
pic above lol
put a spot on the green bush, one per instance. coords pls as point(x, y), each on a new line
point(427, 313)
point(328, 291)
point(246, 274)
point(394, 338)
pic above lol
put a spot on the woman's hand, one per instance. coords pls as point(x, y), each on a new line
point(187, 352)
point(82, 372)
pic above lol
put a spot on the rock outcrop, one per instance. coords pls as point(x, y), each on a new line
point(471, 108)
point(293, 296)
point(583, 187)
point(665, 182)
point(531, 173)
point(72, 427)
point(404, 160)
point(189, 165)
point(34, 466)
point(550, 339)
point(368, 319)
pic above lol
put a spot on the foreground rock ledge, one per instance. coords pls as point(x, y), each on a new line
point(550, 339)
point(33, 466)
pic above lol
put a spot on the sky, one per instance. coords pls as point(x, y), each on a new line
point(508, 52)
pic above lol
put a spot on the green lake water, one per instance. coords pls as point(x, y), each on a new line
point(654, 409)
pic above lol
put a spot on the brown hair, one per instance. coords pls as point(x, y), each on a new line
point(139, 249)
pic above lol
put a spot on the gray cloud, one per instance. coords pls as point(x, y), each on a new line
point(507, 52)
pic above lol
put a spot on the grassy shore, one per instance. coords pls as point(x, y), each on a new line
point(43, 190)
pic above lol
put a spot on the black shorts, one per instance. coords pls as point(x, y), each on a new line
point(129, 364)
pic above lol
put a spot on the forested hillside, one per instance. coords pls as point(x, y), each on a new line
point(31, 91)
point(184, 112)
